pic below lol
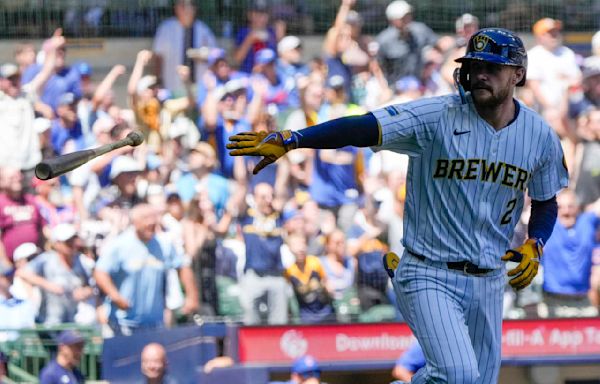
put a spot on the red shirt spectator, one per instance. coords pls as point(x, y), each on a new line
point(20, 219)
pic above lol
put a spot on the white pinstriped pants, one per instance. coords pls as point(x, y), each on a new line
point(456, 317)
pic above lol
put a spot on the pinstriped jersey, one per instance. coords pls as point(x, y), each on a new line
point(466, 181)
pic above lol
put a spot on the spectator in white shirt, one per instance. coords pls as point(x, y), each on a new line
point(177, 42)
point(552, 72)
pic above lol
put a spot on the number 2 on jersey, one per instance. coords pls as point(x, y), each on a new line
point(510, 207)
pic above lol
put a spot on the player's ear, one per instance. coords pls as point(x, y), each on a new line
point(518, 75)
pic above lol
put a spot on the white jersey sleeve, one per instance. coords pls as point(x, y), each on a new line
point(409, 128)
point(552, 174)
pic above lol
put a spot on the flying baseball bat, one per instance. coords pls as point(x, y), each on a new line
point(56, 166)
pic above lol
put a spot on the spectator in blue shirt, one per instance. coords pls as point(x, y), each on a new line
point(66, 127)
point(276, 95)
point(409, 363)
point(132, 269)
point(224, 114)
point(290, 67)
point(218, 74)
point(202, 161)
point(65, 79)
point(567, 259)
point(254, 37)
point(63, 369)
point(263, 273)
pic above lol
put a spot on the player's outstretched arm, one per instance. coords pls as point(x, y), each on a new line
point(358, 131)
point(529, 255)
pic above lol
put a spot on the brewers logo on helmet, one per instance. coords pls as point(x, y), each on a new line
point(480, 43)
point(494, 45)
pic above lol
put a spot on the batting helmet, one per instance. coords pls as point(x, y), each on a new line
point(494, 45)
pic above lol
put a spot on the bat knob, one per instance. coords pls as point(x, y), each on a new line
point(135, 138)
point(43, 171)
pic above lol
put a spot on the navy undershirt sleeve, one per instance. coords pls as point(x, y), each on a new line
point(543, 218)
point(358, 131)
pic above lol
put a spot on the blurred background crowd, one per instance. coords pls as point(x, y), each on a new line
point(176, 231)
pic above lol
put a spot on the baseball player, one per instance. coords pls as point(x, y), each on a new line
point(472, 156)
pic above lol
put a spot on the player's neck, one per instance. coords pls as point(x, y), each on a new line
point(498, 116)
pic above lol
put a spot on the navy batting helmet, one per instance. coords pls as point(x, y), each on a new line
point(494, 45)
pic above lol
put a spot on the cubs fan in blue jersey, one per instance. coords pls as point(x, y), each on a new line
point(472, 157)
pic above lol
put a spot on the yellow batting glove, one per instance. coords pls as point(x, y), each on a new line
point(269, 145)
point(528, 256)
point(390, 263)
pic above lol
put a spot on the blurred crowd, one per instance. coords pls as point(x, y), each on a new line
point(175, 229)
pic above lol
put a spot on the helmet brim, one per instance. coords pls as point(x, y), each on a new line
point(485, 56)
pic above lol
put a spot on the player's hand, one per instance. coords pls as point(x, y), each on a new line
point(528, 256)
point(269, 145)
point(390, 263)
point(121, 303)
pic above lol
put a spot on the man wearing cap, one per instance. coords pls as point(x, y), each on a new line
point(305, 370)
point(551, 73)
point(66, 133)
point(132, 272)
point(276, 95)
point(590, 87)
point(20, 145)
point(218, 74)
point(114, 202)
point(61, 275)
point(174, 37)
point(465, 26)
point(20, 218)
point(290, 67)
point(64, 368)
point(254, 37)
point(224, 113)
point(401, 44)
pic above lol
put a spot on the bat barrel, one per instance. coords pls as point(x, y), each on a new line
point(43, 171)
point(54, 167)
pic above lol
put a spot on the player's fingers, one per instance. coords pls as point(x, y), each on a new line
point(241, 144)
point(261, 164)
point(245, 151)
point(512, 255)
point(518, 269)
point(244, 136)
point(390, 263)
point(524, 283)
point(526, 275)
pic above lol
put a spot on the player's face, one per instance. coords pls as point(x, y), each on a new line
point(491, 84)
